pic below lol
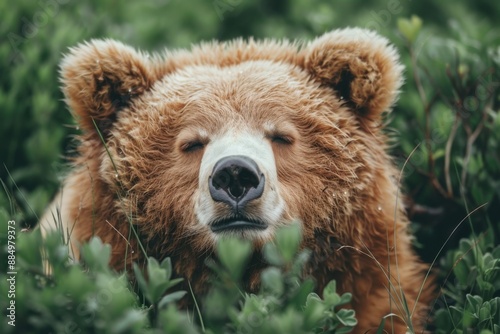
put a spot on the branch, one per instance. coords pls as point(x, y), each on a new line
point(447, 155)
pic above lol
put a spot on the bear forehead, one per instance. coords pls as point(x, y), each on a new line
point(256, 91)
point(253, 71)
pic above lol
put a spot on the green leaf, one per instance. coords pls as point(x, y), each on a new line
point(300, 262)
point(347, 317)
point(345, 299)
point(474, 302)
point(171, 298)
point(410, 28)
point(166, 264)
point(487, 290)
point(330, 295)
point(314, 312)
point(156, 274)
point(300, 297)
point(141, 281)
point(485, 312)
point(442, 321)
point(173, 321)
point(96, 254)
point(288, 241)
point(461, 270)
point(26, 246)
point(272, 280)
point(272, 254)
point(132, 320)
point(380, 329)
point(174, 282)
point(234, 254)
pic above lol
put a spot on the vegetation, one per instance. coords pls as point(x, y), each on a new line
point(446, 141)
point(98, 300)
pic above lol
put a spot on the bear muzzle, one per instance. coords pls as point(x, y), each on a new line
point(238, 186)
point(236, 181)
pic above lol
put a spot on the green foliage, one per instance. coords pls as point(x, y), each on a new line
point(473, 284)
point(158, 282)
point(285, 304)
point(410, 28)
point(456, 99)
point(90, 297)
point(454, 173)
point(71, 298)
point(234, 254)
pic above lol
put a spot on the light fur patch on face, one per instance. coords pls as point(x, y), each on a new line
point(270, 206)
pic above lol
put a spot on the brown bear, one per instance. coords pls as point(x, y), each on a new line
point(240, 138)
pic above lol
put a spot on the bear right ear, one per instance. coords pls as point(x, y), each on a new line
point(360, 66)
point(100, 78)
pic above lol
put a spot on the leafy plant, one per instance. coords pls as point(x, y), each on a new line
point(285, 304)
point(90, 297)
point(472, 291)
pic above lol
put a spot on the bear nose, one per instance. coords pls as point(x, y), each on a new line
point(236, 180)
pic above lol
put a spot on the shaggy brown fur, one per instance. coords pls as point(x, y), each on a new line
point(334, 175)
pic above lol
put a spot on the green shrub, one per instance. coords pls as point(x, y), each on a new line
point(89, 297)
point(472, 288)
point(451, 158)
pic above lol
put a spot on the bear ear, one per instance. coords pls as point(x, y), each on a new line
point(360, 65)
point(101, 77)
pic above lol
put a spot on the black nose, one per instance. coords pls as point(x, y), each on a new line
point(236, 180)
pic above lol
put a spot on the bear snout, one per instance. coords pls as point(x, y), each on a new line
point(236, 180)
point(238, 184)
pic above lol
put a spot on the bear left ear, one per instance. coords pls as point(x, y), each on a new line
point(360, 65)
point(102, 77)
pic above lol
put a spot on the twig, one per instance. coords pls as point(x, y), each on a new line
point(418, 82)
point(428, 140)
point(447, 156)
point(416, 76)
point(471, 138)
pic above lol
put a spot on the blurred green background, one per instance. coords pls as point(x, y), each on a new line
point(448, 111)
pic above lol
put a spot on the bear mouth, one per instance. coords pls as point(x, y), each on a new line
point(237, 224)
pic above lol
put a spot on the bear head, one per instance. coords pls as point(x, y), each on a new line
point(240, 138)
